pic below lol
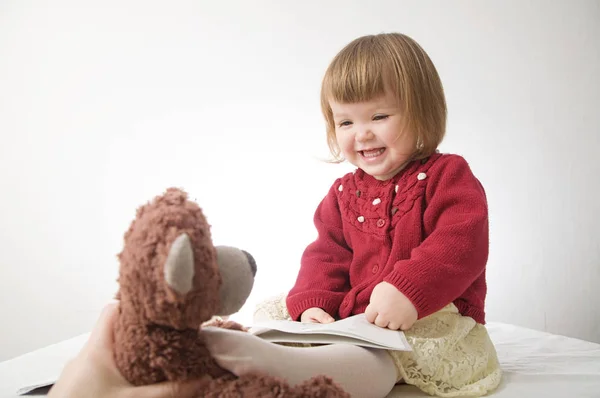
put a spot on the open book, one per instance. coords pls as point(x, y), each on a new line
point(354, 330)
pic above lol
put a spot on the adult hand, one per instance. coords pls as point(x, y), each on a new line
point(94, 373)
point(316, 315)
point(391, 309)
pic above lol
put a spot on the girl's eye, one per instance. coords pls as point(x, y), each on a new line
point(345, 123)
point(380, 117)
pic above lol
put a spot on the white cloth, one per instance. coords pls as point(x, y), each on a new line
point(535, 364)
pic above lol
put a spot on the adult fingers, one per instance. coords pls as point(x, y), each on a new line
point(189, 389)
point(102, 333)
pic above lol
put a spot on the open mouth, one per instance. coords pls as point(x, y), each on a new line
point(371, 153)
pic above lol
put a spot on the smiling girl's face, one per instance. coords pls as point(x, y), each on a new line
point(370, 136)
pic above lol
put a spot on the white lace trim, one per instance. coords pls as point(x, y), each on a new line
point(452, 356)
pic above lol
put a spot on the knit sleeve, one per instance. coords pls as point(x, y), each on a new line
point(322, 280)
point(454, 252)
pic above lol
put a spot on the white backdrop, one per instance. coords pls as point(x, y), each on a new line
point(104, 106)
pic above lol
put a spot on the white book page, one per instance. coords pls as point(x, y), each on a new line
point(276, 336)
point(356, 328)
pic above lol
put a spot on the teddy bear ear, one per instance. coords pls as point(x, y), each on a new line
point(179, 267)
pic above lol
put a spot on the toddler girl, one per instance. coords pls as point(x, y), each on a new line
point(403, 239)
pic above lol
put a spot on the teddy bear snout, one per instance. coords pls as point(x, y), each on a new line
point(251, 261)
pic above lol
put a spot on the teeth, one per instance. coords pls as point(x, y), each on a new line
point(373, 153)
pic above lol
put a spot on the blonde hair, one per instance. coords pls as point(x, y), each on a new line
point(368, 66)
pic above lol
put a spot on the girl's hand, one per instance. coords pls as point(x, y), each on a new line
point(389, 308)
point(316, 315)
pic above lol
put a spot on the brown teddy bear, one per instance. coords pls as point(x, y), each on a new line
point(172, 280)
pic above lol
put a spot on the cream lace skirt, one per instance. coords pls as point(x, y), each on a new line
point(452, 355)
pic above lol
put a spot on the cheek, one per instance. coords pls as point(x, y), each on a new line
point(391, 136)
point(399, 141)
point(348, 146)
point(343, 140)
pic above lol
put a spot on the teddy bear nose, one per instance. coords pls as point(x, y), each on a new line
point(251, 261)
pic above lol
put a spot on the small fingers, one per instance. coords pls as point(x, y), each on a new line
point(306, 319)
point(370, 313)
point(316, 315)
point(394, 326)
point(381, 321)
point(406, 326)
point(324, 317)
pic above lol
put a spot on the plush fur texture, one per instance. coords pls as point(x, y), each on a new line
point(158, 334)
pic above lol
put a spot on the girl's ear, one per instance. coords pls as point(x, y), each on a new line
point(179, 267)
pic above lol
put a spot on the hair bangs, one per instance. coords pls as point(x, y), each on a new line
point(358, 74)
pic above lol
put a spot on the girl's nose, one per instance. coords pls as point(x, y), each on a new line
point(363, 135)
